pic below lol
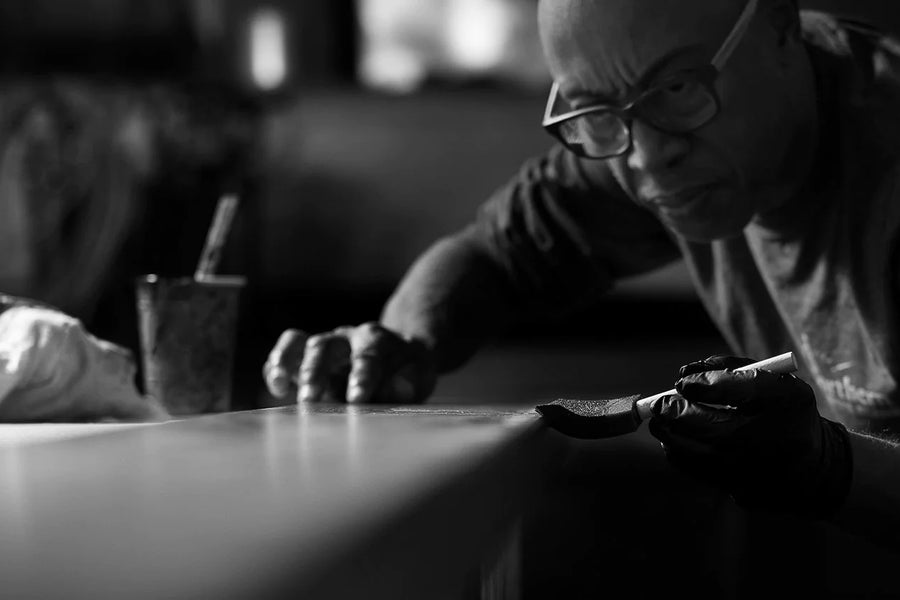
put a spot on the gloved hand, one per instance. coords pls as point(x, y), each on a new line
point(52, 369)
point(363, 364)
point(756, 434)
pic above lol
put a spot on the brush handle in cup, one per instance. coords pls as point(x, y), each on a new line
point(783, 363)
point(216, 236)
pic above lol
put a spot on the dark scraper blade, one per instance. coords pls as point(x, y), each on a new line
point(592, 419)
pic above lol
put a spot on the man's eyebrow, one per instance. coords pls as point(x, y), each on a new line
point(658, 66)
point(668, 59)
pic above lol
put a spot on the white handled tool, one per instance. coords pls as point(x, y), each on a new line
point(783, 363)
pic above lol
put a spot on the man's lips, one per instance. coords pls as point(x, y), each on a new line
point(676, 201)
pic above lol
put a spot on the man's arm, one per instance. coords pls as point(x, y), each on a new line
point(555, 238)
point(453, 299)
point(872, 509)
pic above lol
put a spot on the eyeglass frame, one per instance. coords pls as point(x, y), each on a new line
point(706, 75)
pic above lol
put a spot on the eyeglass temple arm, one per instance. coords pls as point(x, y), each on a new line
point(551, 101)
point(734, 38)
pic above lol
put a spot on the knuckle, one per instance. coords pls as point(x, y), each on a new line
point(362, 335)
point(365, 373)
point(371, 327)
point(273, 369)
point(288, 335)
point(693, 379)
point(692, 367)
point(288, 342)
point(345, 331)
point(315, 343)
point(309, 365)
point(368, 356)
point(374, 333)
point(290, 338)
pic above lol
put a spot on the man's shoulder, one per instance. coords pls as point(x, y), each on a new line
point(872, 54)
point(858, 72)
point(842, 34)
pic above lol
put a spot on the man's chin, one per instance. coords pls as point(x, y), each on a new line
point(718, 218)
point(705, 235)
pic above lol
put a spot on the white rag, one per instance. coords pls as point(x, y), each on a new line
point(52, 369)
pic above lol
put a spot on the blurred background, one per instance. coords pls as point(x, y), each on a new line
point(355, 131)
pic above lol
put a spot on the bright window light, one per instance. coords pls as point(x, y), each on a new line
point(268, 49)
point(477, 34)
point(393, 68)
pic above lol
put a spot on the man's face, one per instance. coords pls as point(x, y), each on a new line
point(710, 183)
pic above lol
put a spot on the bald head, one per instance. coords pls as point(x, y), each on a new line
point(706, 183)
point(628, 38)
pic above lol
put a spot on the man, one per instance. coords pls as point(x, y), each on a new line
point(759, 147)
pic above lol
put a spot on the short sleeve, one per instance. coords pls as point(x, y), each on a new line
point(565, 232)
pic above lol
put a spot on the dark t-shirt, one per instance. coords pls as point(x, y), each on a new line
point(822, 283)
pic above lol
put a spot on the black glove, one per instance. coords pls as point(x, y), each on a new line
point(756, 434)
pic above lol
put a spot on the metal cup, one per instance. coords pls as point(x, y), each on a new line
point(188, 331)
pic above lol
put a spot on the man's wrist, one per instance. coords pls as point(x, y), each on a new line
point(837, 469)
point(870, 509)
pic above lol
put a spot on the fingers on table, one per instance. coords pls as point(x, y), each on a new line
point(325, 356)
point(375, 350)
point(405, 386)
point(349, 363)
point(283, 365)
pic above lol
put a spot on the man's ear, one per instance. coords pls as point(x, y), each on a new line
point(784, 15)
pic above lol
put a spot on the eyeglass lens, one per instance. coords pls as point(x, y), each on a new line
point(677, 107)
point(595, 134)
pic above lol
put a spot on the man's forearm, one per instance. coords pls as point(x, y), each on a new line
point(453, 299)
point(872, 509)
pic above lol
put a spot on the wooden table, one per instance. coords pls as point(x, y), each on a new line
point(313, 502)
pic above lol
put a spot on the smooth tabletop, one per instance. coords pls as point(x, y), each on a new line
point(321, 499)
point(20, 434)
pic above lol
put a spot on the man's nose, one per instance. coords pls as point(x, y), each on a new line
point(654, 150)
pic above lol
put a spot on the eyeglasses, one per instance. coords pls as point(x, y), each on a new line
point(677, 104)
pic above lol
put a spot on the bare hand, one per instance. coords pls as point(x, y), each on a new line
point(362, 364)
